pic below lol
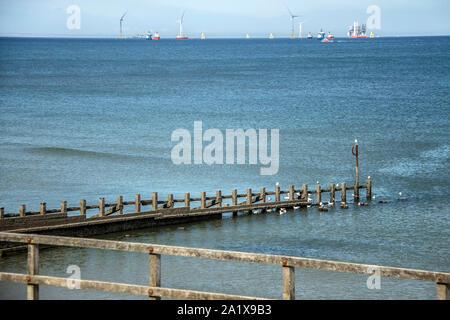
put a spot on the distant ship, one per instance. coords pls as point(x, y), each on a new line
point(372, 35)
point(330, 36)
point(321, 35)
point(357, 31)
point(202, 36)
point(148, 36)
point(271, 36)
point(310, 36)
point(156, 36)
point(247, 36)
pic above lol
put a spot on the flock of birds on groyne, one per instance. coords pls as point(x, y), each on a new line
point(323, 205)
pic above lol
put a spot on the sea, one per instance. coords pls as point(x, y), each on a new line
point(91, 118)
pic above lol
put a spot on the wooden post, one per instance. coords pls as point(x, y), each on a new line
point(443, 291)
point(356, 191)
point(369, 189)
point(82, 207)
point(202, 199)
point(356, 184)
point(291, 192)
point(154, 201)
point(219, 198)
point(42, 208)
point(249, 196)
point(22, 210)
point(249, 199)
point(277, 193)
point(101, 207)
point(154, 273)
point(119, 205)
point(2, 212)
point(63, 205)
point(318, 194)
point(234, 200)
point(305, 192)
point(33, 269)
point(288, 283)
point(137, 202)
point(262, 194)
point(343, 192)
point(187, 199)
point(170, 200)
point(332, 193)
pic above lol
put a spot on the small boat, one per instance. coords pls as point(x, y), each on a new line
point(310, 36)
point(326, 40)
point(156, 36)
point(271, 36)
point(148, 36)
point(202, 36)
point(321, 35)
point(247, 36)
point(330, 36)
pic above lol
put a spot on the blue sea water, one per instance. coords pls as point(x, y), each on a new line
point(90, 118)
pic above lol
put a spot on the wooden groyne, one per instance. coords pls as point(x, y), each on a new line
point(154, 290)
point(111, 217)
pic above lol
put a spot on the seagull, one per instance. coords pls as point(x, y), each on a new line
point(286, 198)
point(368, 177)
point(282, 210)
point(317, 182)
point(269, 198)
point(255, 212)
point(296, 207)
point(277, 184)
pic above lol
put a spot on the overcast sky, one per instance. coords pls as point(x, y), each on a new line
point(221, 18)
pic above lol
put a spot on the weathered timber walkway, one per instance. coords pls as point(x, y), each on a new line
point(112, 218)
point(154, 290)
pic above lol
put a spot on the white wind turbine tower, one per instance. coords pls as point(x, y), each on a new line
point(300, 28)
point(180, 35)
point(293, 16)
point(121, 20)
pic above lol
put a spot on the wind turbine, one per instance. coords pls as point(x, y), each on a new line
point(300, 28)
point(180, 35)
point(293, 16)
point(121, 20)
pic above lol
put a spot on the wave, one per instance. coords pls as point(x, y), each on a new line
point(74, 153)
point(428, 162)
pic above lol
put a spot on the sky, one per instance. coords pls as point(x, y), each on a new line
point(222, 18)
